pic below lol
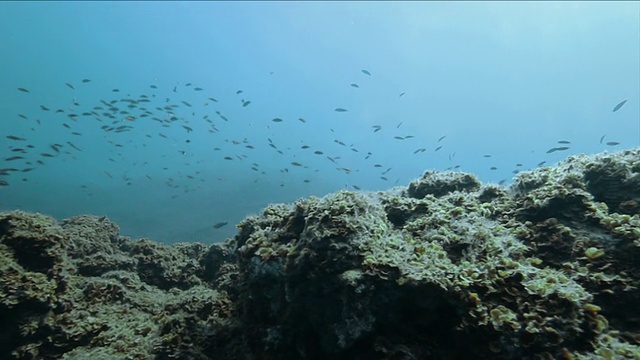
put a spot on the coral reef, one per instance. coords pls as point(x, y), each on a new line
point(447, 268)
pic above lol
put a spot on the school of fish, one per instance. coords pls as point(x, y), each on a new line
point(121, 114)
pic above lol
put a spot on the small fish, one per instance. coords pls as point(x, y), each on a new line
point(239, 92)
point(76, 133)
point(355, 85)
point(376, 128)
point(302, 120)
point(115, 90)
point(13, 158)
point(554, 149)
point(419, 150)
point(366, 72)
point(44, 108)
point(438, 148)
point(3, 183)
point(153, 86)
point(23, 90)
point(602, 138)
point(305, 147)
point(542, 163)
point(228, 158)
point(620, 104)
point(401, 94)
point(398, 137)
point(17, 138)
point(493, 168)
point(318, 152)
point(356, 187)
point(613, 143)
point(220, 224)
point(85, 81)
point(46, 155)
point(341, 110)
point(23, 116)
point(277, 120)
point(70, 86)
point(564, 142)
point(486, 155)
point(197, 89)
point(442, 138)
point(295, 163)
point(189, 129)
point(245, 103)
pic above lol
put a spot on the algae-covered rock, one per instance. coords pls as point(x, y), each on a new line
point(447, 268)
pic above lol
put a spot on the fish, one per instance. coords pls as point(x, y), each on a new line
point(17, 138)
point(13, 158)
point(564, 142)
point(355, 85)
point(493, 168)
point(401, 94)
point(442, 138)
point(220, 224)
point(44, 108)
point(197, 89)
point(366, 72)
point(419, 150)
point(85, 81)
point(246, 103)
point(318, 152)
point(602, 138)
point(238, 92)
point(341, 110)
point(295, 163)
point(3, 183)
point(305, 147)
point(76, 133)
point(620, 104)
point(115, 90)
point(70, 86)
point(228, 158)
point(398, 137)
point(23, 89)
point(438, 148)
point(542, 163)
point(376, 128)
point(46, 155)
point(277, 120)
point(302, 120)
point(189, 129)
point(613, 143)
point(153, 86)
point(486, 155)
point(23, 116)
point(554, 149)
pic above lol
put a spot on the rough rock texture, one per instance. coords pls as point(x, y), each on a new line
point(448, 268)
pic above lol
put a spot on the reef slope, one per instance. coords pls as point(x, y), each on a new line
point(444, 268)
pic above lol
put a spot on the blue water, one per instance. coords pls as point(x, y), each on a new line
point(502, 79)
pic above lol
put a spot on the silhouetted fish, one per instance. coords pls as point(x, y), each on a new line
point(366, 72)
point(341, 110)
point(220, 224)
point(620, 104)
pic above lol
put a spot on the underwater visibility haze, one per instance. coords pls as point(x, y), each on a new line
point(179, 119)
